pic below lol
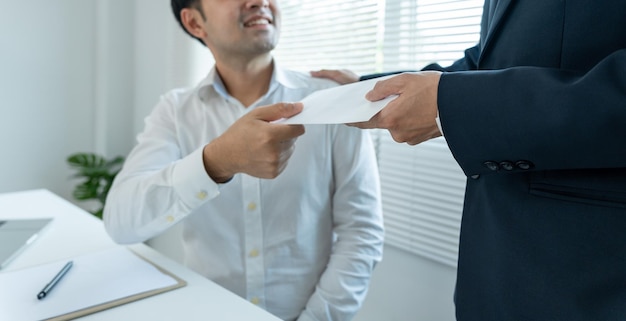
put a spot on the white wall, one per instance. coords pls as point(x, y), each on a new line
point(114, 79)
point(81, 75)
point(46, 81)
point(165, 57)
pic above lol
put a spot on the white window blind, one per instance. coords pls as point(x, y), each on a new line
point(422, 189)
point(330, 34)
point(420, 32)
point(422, 186)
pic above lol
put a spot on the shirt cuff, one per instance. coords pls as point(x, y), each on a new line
point(191, 181)
point(438, 121)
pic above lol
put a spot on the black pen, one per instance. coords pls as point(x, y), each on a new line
point(55, 280)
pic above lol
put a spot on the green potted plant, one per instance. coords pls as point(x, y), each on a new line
point(97, 174)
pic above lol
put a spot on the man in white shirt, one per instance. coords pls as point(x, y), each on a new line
point(299, 238)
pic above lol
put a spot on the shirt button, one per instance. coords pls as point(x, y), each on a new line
point(170, 218)
point(254, 253)
point(252, 206)
point(255, 300)
point(201, 195)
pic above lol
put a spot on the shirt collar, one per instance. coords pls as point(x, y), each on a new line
point(286, 78)
point(280, 77)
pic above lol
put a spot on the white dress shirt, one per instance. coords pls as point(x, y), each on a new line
point(302, 245)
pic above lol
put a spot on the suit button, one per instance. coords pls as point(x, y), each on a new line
point(524, 165)
point(475, 176)
point(507, 165)
point(492, 165)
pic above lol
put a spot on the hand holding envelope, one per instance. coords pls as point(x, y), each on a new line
point(339, 105)
point(404, 104)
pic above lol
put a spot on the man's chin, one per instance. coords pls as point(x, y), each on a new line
point(263, 47)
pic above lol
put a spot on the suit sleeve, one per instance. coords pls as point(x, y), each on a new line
point(556, 119)
point(468, 62)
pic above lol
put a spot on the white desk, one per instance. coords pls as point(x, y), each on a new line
point(75, 232)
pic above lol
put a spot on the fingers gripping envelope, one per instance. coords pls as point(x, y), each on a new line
point(339, 105)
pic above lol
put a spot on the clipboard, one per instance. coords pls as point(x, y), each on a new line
point(122, 276)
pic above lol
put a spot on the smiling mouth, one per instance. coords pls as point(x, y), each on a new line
point(258, 22)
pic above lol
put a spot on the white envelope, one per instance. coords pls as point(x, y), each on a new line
point(339, 105)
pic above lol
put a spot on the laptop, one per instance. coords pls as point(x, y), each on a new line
point(16, 235)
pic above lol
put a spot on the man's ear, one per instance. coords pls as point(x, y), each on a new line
point(192, 20)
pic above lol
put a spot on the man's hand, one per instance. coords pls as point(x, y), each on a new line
point(342, 76)
point(411, 117)
point(253, 145)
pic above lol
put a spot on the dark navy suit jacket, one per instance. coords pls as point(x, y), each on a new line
point(539, 128)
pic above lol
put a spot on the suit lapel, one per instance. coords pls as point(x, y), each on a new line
point(494, 22)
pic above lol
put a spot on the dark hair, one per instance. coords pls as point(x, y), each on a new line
point(178, 5)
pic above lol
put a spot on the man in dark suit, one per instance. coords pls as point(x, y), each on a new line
point(535, 115)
